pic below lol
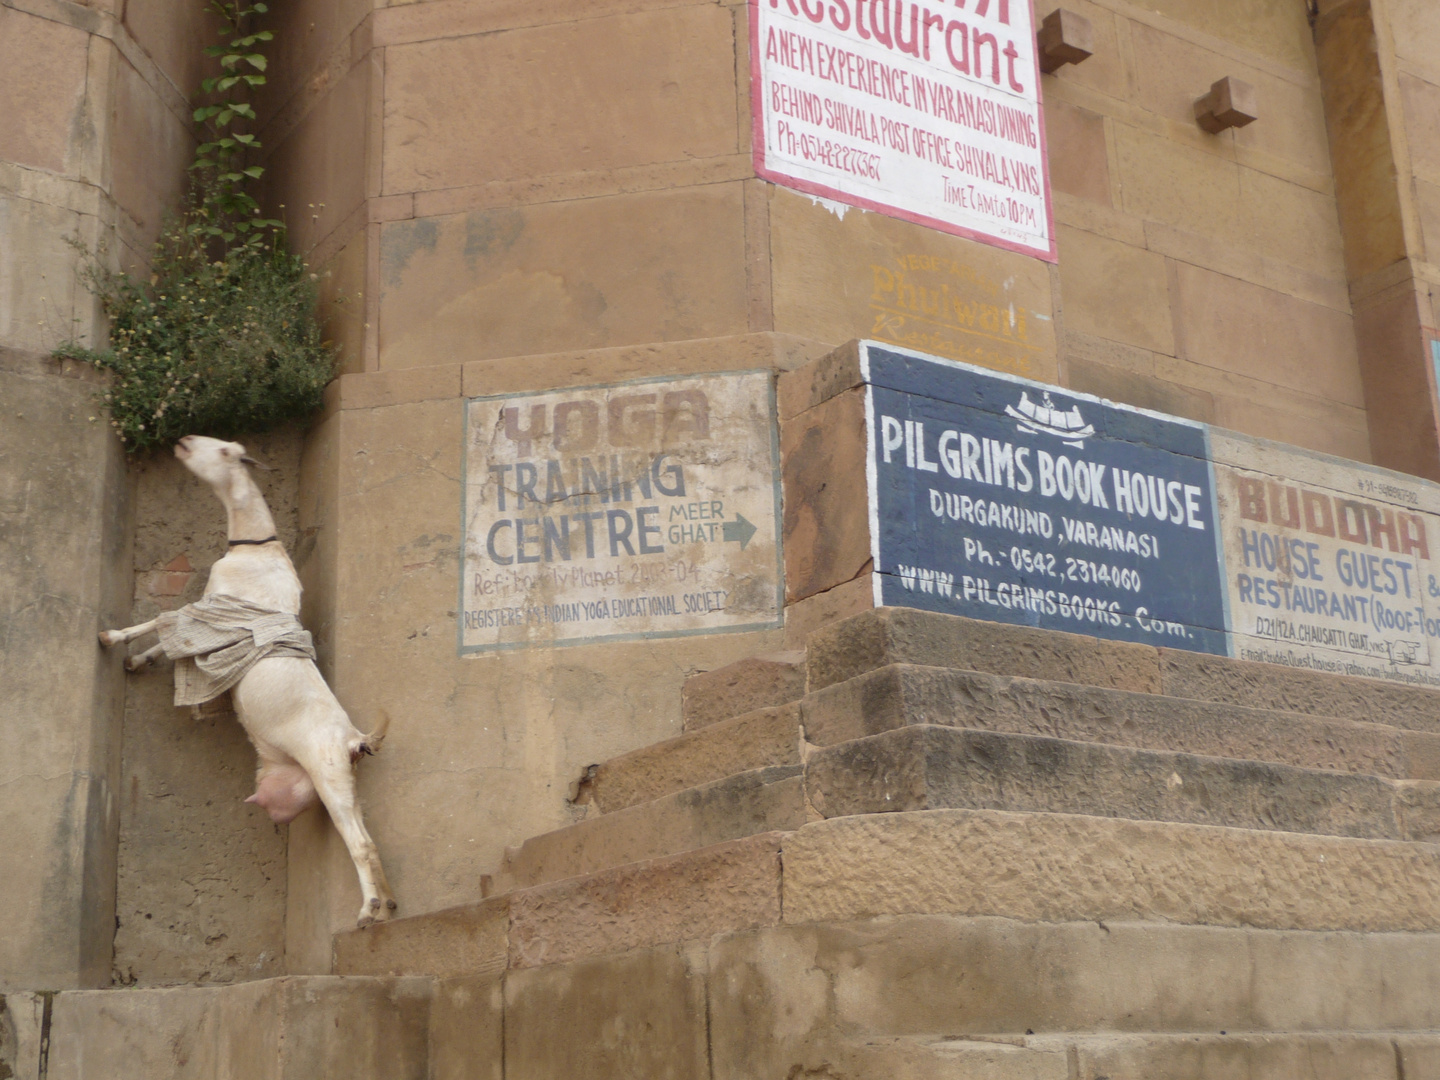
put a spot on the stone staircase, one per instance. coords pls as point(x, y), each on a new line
point(935, 848)
point(969, 849)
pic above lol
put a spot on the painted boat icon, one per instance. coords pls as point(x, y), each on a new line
point(1066, 425)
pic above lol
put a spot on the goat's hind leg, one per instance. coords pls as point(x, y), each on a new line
point(130, 633)
point(140, 660)
point(335, 783)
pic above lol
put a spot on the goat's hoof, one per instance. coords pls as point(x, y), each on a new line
point(364, 921)
point(135, 663)
point(391, 904)
point(107, 638)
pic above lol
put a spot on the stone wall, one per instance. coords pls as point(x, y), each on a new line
point(1203, 275)
point(525, 197)
point(517, 197)
point(201, 876)
point(94, 139)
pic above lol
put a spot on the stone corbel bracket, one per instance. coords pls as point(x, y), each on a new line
point(1064, 38)
point(1229, 104)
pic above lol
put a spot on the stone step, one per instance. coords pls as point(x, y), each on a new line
point(696, 894)
point(925, 767)
point(756, 801)
point(757, 740)
point(1060, 867)
point(757, 682)
point(1132, 755)
point(1033, 867)
point(901, 694)
point(884, 636)
point(1343, 1055)
point(291, 1028)
point(985, 977)
point(1340, 1055)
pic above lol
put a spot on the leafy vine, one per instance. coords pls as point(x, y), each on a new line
point(222, 338)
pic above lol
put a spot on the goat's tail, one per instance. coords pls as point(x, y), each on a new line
point(372, 742)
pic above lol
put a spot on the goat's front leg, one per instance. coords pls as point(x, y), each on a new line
point(140, 660)
point(130, 633)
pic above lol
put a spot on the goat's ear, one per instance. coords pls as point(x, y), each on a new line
point(248, 460)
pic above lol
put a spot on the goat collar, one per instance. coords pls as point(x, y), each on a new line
point(267, 540)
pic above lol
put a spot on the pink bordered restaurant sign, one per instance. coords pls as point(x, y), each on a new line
point(924, 110)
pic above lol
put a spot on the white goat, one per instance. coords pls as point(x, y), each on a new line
point(305, 741)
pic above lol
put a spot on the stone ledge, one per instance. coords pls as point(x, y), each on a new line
point(756, 682)
point(757, 740)
point(582, 367)
point(732, 808)
point(43, 365)
point(1059, 867)
point(471, 939)
point(900, 695)
point(907, 635)
point(884, 636)
point(679, 898)
point(924, 767)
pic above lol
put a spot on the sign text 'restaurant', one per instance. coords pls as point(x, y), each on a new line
point(920, 109)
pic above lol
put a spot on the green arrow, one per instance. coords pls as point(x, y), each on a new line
point(739, 529)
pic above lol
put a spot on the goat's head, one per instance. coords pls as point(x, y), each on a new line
point(212, 460)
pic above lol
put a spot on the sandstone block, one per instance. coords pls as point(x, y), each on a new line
point(757, 740)
point(806, 616)
point(271, 1029)
point(902, 694)
point(1277, 33)
point(1368, 1056)
point(818, 381)
point(467, 940)
point(680, 898)
point(147, 185)
point(826, 528)
point(1139, 389)
point(905, 635)
point(931, 768)
point(641, 1014)
point(45, 67)
point(1056, 867)
point(1106, 70)
point(915, 975)
point(1079, 158)
point(1236, 326)
point(1269, 686)
point(841, 276)
point(518, 374)
point(757, 682)
point(763, 800)
point(1416, 1055)
point(592, 94)
point(1176, 183)
point(467, 1028)
point(1293, 225)
point(577, 274)
point(377, 389)
point(1115, 291)
point(1421, 98)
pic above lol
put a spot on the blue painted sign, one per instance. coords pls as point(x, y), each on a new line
point(999, 498)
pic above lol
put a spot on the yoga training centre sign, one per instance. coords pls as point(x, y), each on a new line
point(641, 509)
point(919, 109)
point(999, 498)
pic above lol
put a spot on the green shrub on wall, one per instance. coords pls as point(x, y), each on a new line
point(222, 338)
